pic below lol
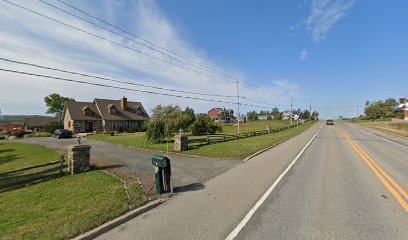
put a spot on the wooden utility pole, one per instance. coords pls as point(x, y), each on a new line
point(238, 106)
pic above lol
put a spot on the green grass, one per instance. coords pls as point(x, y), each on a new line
point(369, 120)
point(245, 147)
point(231, 128)
point(233, 149)
point(138, 140)
point(63, 207)
point(15, 155)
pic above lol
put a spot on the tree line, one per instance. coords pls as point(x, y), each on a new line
point(382, 109)
point(276, 114)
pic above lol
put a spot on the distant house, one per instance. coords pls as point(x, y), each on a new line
point(286, 116)
point(36, 124)
point(403, 107)
point(222, 115)
point(104, 115)
point(10, 127)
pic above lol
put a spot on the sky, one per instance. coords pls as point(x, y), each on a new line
point(334, 54)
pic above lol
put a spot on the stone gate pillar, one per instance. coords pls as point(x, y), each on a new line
point(78, 158)
point(180, 142)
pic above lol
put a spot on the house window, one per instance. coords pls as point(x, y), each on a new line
point(69, 124)
point(139, 111)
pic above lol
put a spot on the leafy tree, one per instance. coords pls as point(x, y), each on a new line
point(269, 117)
point(203, 125)
point(381, 108)
point(52, 126)
point(275, 112)
point(188, 117)
point(315, 116)
point(279, 116)
point(165, 121)
point(55, 104)
point(252, 116)
point(305, 114)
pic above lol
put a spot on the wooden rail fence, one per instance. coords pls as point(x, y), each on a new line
point(25, 175)
point(218, 138)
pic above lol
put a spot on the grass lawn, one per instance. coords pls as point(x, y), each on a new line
point(233, 149)
point(15, 155)
point(138, 140)
point(59, 208)
point(231, 128)
point(245, 147)
point(369, 120)
point(396, 128)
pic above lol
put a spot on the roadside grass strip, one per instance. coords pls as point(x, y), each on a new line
point(393, 187)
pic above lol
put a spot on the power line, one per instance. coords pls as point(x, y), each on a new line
point(131, 39)
point(121, 88)
point(111, 79)
point(129, 83)
point(113, 42)
point(271, 91)
point(143, 39)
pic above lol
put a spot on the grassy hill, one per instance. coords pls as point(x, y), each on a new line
point(16, 118)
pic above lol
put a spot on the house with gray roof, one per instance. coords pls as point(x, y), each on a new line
point(104, 115)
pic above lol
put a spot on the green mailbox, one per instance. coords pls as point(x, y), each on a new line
point(159, 161)
point(162, 172)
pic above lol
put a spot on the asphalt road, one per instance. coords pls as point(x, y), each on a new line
point(188, 171)
point(330, 192)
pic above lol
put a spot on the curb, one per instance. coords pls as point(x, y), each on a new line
point(276, 144)
point(119, 220)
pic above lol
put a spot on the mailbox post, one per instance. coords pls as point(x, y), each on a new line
point(162, 171)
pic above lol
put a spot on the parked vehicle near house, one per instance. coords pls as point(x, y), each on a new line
point(62, 133)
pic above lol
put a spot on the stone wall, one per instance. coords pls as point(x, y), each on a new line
point(78, 158)
point(180, 142)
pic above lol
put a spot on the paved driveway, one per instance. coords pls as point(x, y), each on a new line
point(188, 171)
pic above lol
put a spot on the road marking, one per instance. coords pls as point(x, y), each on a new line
point(379, 172)
point(251, 212)
point(377, 136)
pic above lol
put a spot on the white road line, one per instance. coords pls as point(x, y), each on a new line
point(377, 136)
point(251, 212)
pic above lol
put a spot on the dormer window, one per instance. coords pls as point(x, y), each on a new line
point(139, 111)
point(87, 111)
point(112, 109)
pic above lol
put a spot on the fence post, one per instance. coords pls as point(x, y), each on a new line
point(208, 139)
point(224, 137)
point(61, 165)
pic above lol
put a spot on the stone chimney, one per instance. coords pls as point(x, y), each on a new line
point(403, 100)
point(123, 103)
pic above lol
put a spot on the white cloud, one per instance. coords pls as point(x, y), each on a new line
point(302, 55)
point(27, 37)
point(324, 14)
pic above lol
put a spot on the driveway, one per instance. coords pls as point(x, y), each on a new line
point(188, 171)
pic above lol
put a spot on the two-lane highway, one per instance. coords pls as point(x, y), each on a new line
point(348, 184)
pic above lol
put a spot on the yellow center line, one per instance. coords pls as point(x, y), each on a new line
point(379, 172)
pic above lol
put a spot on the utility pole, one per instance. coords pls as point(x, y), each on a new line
point(358, 111)
point(238, 106)
point(291, 110)
point(310, 110)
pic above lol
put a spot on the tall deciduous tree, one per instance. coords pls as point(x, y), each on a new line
point(55, 104)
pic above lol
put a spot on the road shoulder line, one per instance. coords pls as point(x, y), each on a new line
point(387, 140)
point(251, 212)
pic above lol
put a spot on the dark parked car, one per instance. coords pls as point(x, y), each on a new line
point(329, 122)
point(62, 133)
